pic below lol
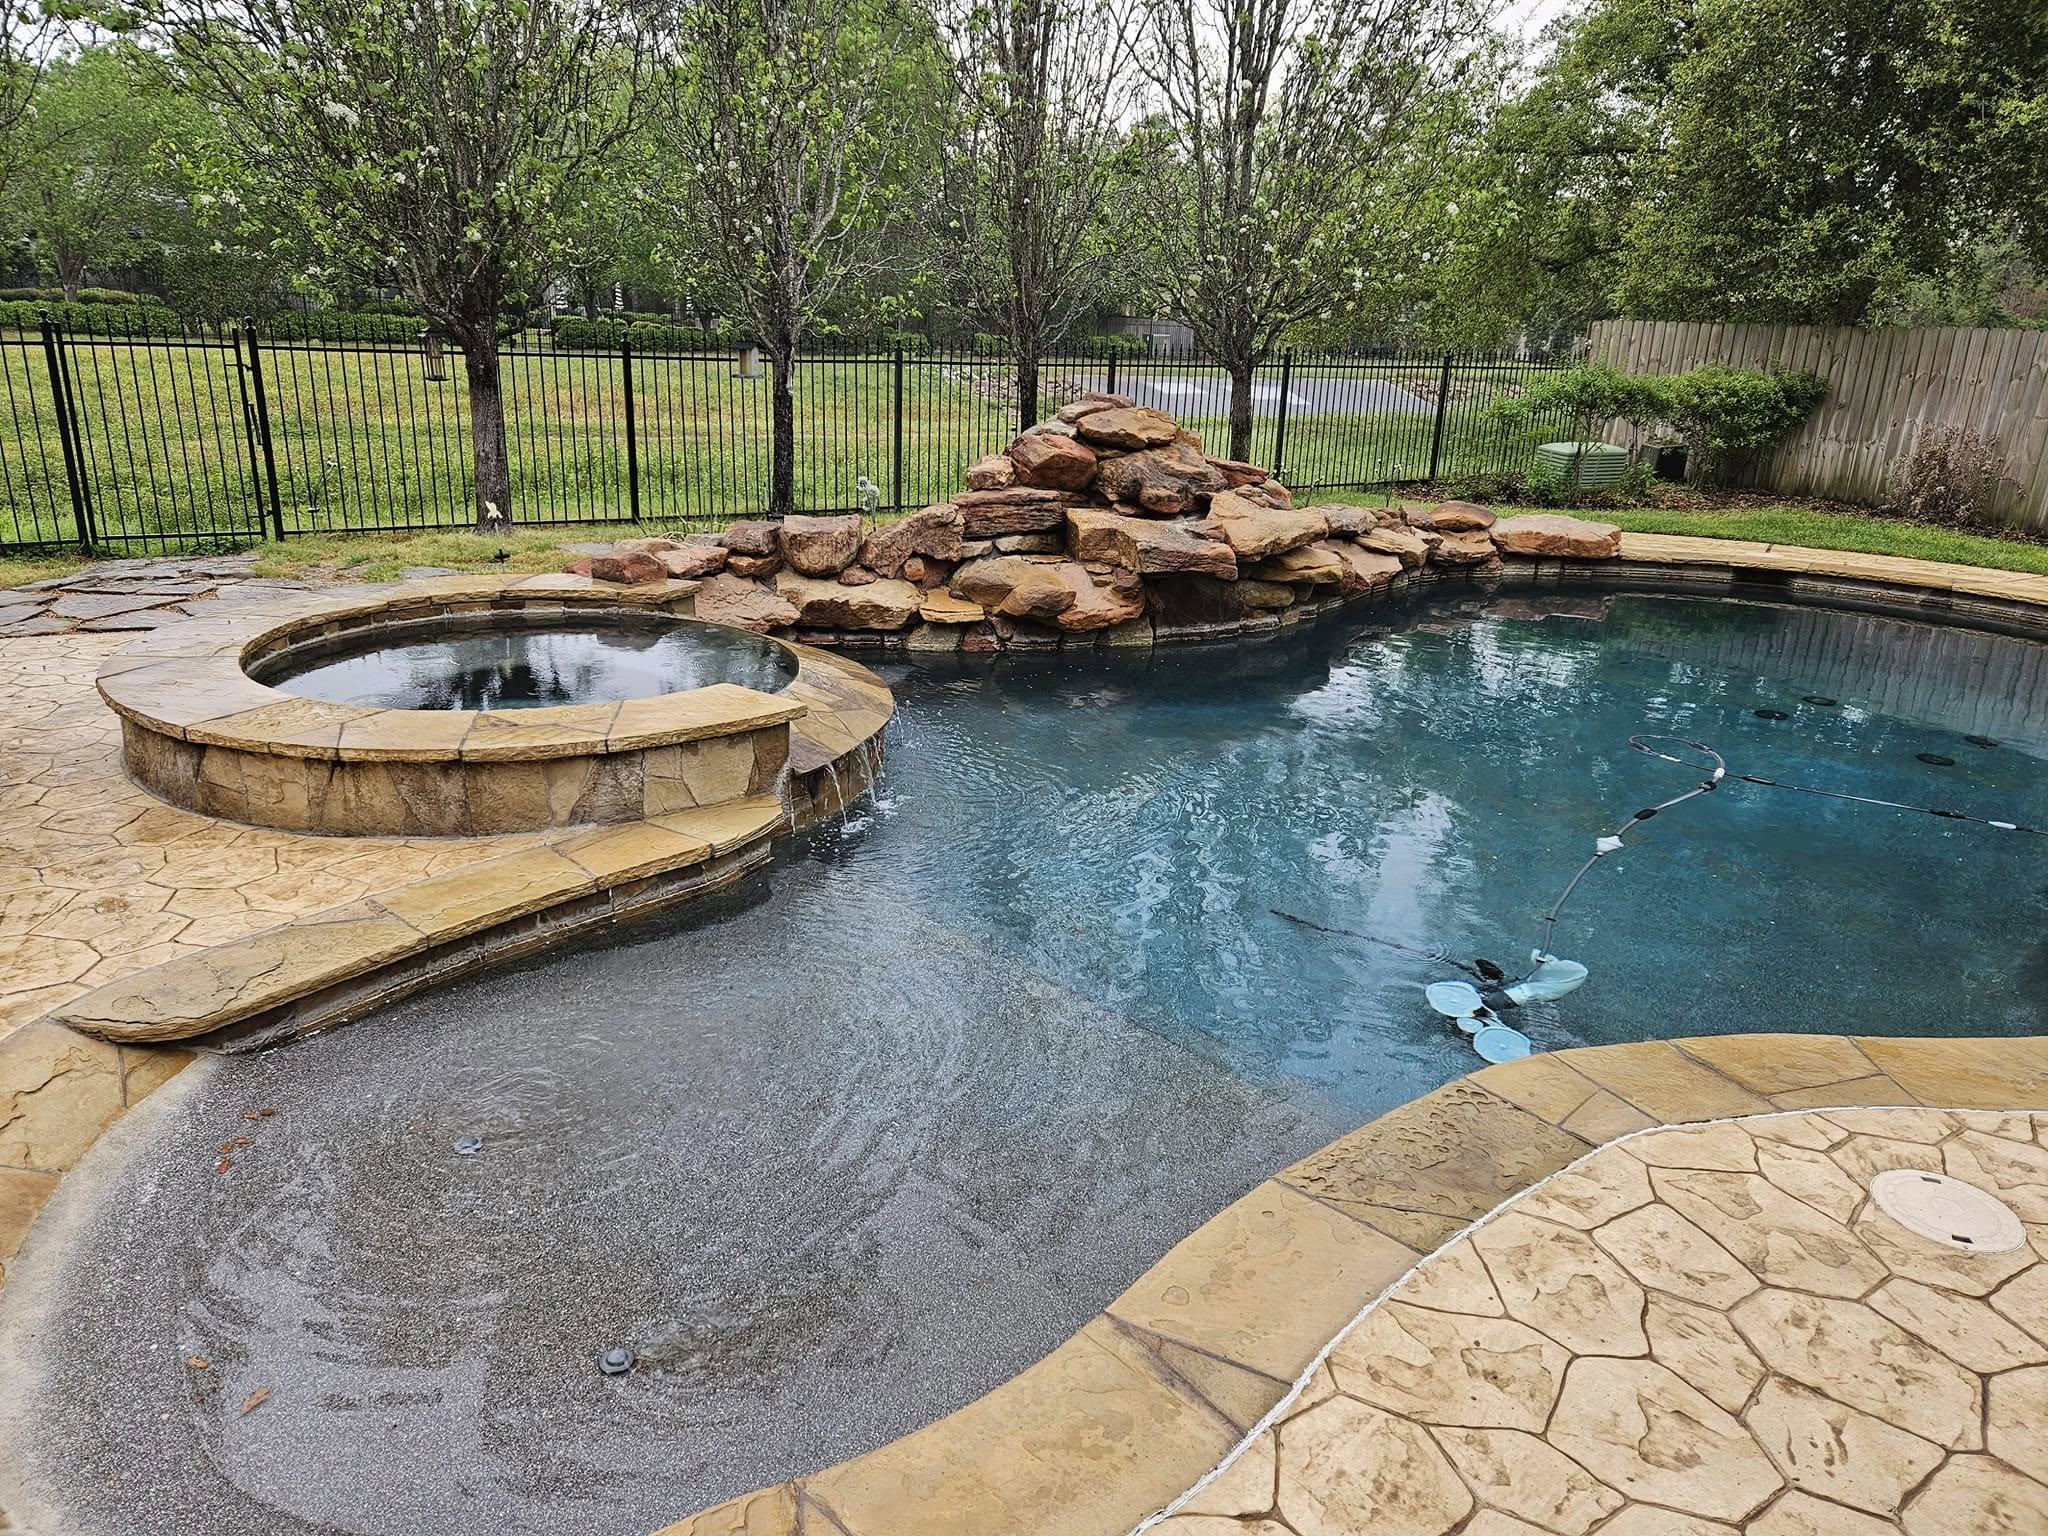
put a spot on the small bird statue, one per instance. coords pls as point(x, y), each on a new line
point(870, 494)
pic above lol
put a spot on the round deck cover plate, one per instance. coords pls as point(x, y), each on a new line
point(1947, 1211)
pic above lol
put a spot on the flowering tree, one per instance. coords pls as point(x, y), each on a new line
point(1041, 91)
point(784, 163)
point(431, 140)
point(1293, 148)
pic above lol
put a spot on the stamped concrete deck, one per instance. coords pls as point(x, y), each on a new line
point(1691, 1332)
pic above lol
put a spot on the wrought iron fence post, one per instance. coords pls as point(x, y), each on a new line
point(632, 433)
point(263, 427)
point(1280, 421)
point(896, 456)
point(1109, 384)
point(74, 468)
point(1443, 405)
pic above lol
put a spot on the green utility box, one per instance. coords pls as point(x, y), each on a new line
point(1599, 464)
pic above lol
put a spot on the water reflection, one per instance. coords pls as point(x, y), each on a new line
point(577, 662)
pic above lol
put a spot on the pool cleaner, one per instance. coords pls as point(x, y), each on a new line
point(1475, 1005)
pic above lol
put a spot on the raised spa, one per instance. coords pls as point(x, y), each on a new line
point(485, 661)
point(478, 706)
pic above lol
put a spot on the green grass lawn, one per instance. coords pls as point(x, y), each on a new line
point(1839, 530)
point(363, 440)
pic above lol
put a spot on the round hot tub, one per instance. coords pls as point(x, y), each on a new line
point(499, 661)
point(471, 706)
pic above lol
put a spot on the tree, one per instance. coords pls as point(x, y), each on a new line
point(1787, 161)
point(25, 39)
point(1040, 90)
point(90, 188)
point(785, 160)
point(428, 139)
point(1295, 150)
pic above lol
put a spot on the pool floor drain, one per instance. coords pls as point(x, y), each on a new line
point(1770, 714)
point(1935, 759)
point(1947, 1211)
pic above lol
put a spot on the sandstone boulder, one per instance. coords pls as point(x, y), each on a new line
point(934, 533)
point(1146, 545)
point(1167, 481)
point(743, 604)
point(1129, 426)
point(828, 605)
point(654, 546)
point(1256, 531)
point(1265, 594)
point(579, 567)
point(754, 536)
point(1313, 565)
point(1092, 403)
point(1347, 522)
point(856, 576)
point(1048, 459)
point(1364, 568)
point(635, 568)
point(1020, 509)
point(1102, 597)
point(1237, 472)
point(989, 580)
point(945, 608)
point(1031, 544)
point(1404, 544)
point(753, 567)
point(820, 546)
point(993, 473)
point(1463, 549)
point(1549, 533)
point(691, 560)
point(1038, 594)
point(1460, 517)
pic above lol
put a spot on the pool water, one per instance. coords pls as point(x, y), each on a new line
point(490, 664)
point(842, 1150)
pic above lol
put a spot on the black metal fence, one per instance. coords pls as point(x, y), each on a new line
point(141, 444)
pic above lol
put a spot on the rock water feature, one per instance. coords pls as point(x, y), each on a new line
point(1106, 524)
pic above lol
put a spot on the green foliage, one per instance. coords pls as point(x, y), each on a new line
point(1723, 413)
point(1720, 412)
point(911, 343)
point(1118, 346)
point(574, 333)
point(343, 325)
point(988, 344)
point(1782, 161)
point(93, 319)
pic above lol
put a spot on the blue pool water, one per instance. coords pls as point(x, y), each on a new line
point(843, 1149)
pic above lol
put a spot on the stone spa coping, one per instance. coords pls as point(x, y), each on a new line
point(1144, 1401)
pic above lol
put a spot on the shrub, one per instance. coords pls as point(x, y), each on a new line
point(1723, 413)
point(1114, 346)
point(1591, 394)
point(574, 333)
point(343, 325)
point(1948, 477)
point(914, 343)
point(988, 344)
point(93, 319)
point(388, 307)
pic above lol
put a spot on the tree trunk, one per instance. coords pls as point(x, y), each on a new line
point(782, 432)
point(487, 428)
point(1027, 389)
point(1241, 410)
point(70, 275)
point(589, 298)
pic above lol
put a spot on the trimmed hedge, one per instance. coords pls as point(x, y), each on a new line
point(93, 319)
point(573, 332)
point(342, 325)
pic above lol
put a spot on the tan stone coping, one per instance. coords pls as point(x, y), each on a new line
point(188, 682)
point(1144, 1401)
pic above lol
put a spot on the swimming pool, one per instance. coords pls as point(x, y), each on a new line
point(853, 1144)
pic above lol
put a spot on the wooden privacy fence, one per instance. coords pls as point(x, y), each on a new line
point(1885, 389)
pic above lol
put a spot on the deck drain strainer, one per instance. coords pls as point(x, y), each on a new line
point(1947, 1211)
